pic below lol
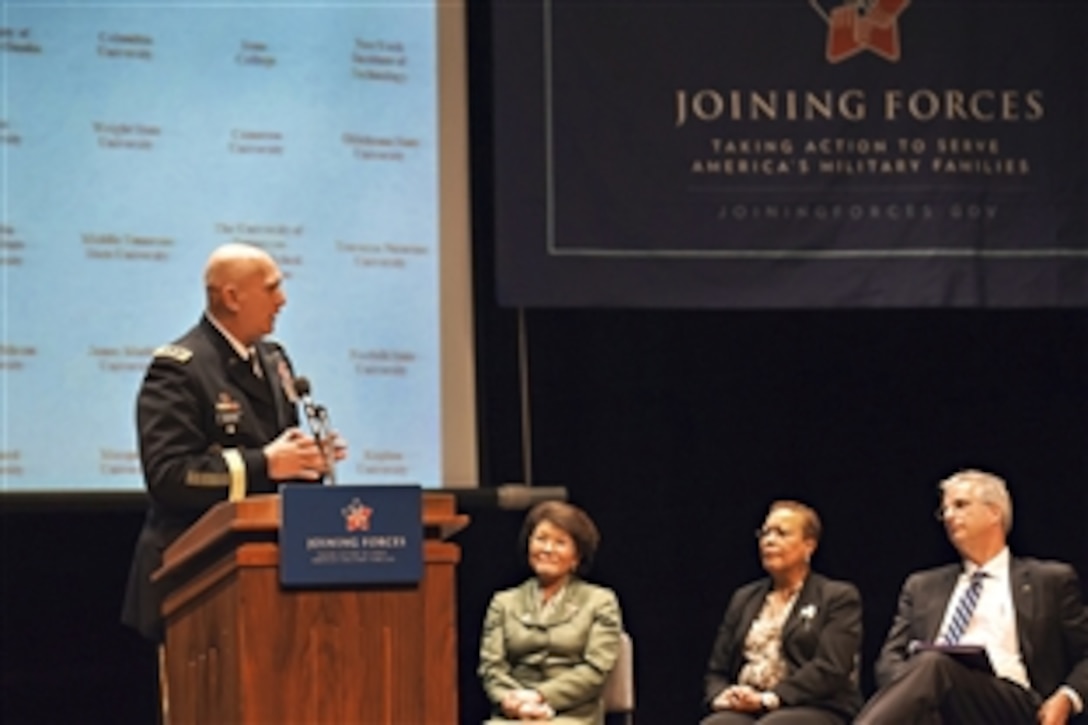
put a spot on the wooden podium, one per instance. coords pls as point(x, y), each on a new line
point(239, 649)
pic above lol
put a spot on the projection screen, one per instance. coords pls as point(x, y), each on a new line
point(136, 137)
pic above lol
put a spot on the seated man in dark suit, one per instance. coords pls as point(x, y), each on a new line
point(1027, 614)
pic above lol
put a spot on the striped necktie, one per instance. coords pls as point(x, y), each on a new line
point(965, 608)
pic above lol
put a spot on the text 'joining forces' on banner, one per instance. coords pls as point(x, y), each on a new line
point(791, 153)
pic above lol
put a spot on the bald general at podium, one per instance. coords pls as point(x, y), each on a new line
point(217, 417)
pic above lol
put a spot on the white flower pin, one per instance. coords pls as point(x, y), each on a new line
point(808, 612)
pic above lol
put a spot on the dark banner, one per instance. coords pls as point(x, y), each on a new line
point(791, 153)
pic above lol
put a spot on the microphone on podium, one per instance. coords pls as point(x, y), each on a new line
point(508, 496)
point(320, 427)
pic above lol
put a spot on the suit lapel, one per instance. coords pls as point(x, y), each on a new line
point(748, 613)
point(270, 365)
point(257, 394)
point(239, 372)
point(943, 588)
point(565, 607)
point(527, 604)
point(1023, 600)
point(751, 609)
point(807, 601)
point(568, 604)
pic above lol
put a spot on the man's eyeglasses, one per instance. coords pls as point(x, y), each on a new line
point(943, 512)
point(766, 531)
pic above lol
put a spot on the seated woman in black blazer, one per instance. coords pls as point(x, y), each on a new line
point(788, 647)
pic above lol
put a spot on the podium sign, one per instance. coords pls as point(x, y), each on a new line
point(345, 535)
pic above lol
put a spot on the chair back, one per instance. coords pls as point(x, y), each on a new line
point(619, 687)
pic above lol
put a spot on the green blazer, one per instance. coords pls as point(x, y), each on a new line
point(565, 654)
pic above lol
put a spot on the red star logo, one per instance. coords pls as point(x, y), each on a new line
point(357, 516)
point(859, 25)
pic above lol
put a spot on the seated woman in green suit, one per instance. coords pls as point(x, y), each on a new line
point(548, 644)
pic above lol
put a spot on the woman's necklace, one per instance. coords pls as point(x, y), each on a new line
point(781, 598)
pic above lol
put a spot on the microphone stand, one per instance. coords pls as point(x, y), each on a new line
point(322, 416)
point(320, 426)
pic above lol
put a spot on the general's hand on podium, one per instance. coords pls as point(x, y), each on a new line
point(295, 456)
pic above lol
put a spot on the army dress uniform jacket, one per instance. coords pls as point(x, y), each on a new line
point(565, 652)
point(203, 416)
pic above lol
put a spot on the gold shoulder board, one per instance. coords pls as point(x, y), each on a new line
point(174, 352)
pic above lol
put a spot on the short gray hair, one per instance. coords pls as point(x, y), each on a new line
point(989, 489)
point(811, 528)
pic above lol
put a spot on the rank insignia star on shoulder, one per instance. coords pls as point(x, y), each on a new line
point(174, 352)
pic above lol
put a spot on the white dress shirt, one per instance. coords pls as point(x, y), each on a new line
point(993, 624)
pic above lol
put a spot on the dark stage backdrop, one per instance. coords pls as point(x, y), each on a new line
point(791, 153)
